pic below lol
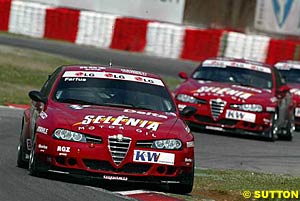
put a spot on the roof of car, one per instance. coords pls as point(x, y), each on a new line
point(104, 68)
point(287, 64)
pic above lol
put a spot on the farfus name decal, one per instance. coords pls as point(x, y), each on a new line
point(119, 121)
point(224, 91)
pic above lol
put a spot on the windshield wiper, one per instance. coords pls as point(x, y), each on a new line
point(76, 101)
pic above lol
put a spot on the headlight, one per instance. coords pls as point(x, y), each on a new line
point(167, 144)
point(189, 99)
point(62, 134)
point(248, 107)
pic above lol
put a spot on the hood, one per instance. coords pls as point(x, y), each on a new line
point(237, 93)
point(102, 120)
point(295, 90)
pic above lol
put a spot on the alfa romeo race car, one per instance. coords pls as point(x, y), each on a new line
point(290, 70)
point(238, 96)
point(111, 123)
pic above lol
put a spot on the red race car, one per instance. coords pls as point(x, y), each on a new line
point(238, 96)
point(290, 70)
point(111, 123)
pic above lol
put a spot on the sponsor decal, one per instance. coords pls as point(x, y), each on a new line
point(74, 79)
point(63, 149)
point(282, 10)
point(96, 68)
point(295, 91)
point(247, 88)
point(119, 121)
point(153, 157)
point(181, 106)
point(42, 146)
point(224, 91)
point(297, 112)
point(187, 129)
point(42, 130)
point(43, 115)
point(288, 66)
point(224, 64)
point(115, 76)
point(239, 115)
point(134, 72)
point(190, 144)
point(108, 177)
point(188, 160)
point(146, 113)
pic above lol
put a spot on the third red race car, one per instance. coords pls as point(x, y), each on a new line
point(290, 70)
point(238, 96)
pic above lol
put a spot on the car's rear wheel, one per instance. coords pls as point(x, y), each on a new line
point(272, 134)
point(186, 185)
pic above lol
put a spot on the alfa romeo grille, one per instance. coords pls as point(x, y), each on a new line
point(118, 147)
point(217, 107)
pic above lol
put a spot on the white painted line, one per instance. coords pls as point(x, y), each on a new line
point(10, 107)
point(132, 192)
point(109, 192)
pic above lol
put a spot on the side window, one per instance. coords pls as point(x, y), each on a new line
point(49, 83)
point(278, 79)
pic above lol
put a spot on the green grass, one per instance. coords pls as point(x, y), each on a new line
point(22, 70)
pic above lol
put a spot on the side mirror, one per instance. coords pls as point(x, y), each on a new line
point(188, 111)
point(284, 89)
point(37, 96)
point(183, 75)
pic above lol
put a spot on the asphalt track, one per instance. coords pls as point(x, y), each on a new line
point(212, 150)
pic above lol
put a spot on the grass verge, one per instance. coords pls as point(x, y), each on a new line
point(22, 70)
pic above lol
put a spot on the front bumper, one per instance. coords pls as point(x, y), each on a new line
point(95, 160)
point(257, 124)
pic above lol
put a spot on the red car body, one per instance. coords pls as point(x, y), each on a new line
point(80, 135)
point(291, 72)
point(238, 96)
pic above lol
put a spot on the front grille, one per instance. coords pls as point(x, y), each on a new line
point(217, 107)
point(131, 168)
point(118, 147)
point(144, 144)
point(206, 119)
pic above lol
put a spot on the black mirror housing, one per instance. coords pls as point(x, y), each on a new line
point(188, 111)
point(37, 96)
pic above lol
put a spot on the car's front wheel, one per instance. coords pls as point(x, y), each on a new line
point(21, 162)
point(290, 129)
point(186, 185)
point(32, 167)
point(272, 134)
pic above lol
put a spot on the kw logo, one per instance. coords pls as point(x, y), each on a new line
point(235, 114)
point(282, 9)
point(146, 156)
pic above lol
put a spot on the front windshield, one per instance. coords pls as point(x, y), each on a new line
point(115, 93)
point(291, 76)
point(235, 75)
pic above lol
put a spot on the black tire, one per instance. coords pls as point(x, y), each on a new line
point(272, 134)
point(290, 129)
point(20, 160)
point(33, 161)
point(186, 186)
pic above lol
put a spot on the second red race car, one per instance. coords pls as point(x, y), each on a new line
point(109, 123)
point(238, 96)
point(290, 70)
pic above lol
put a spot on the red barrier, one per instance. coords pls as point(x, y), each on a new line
point(129, 34)
point(4, 14)
point(62, 24)
point(201, 44)
point(281, 50)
